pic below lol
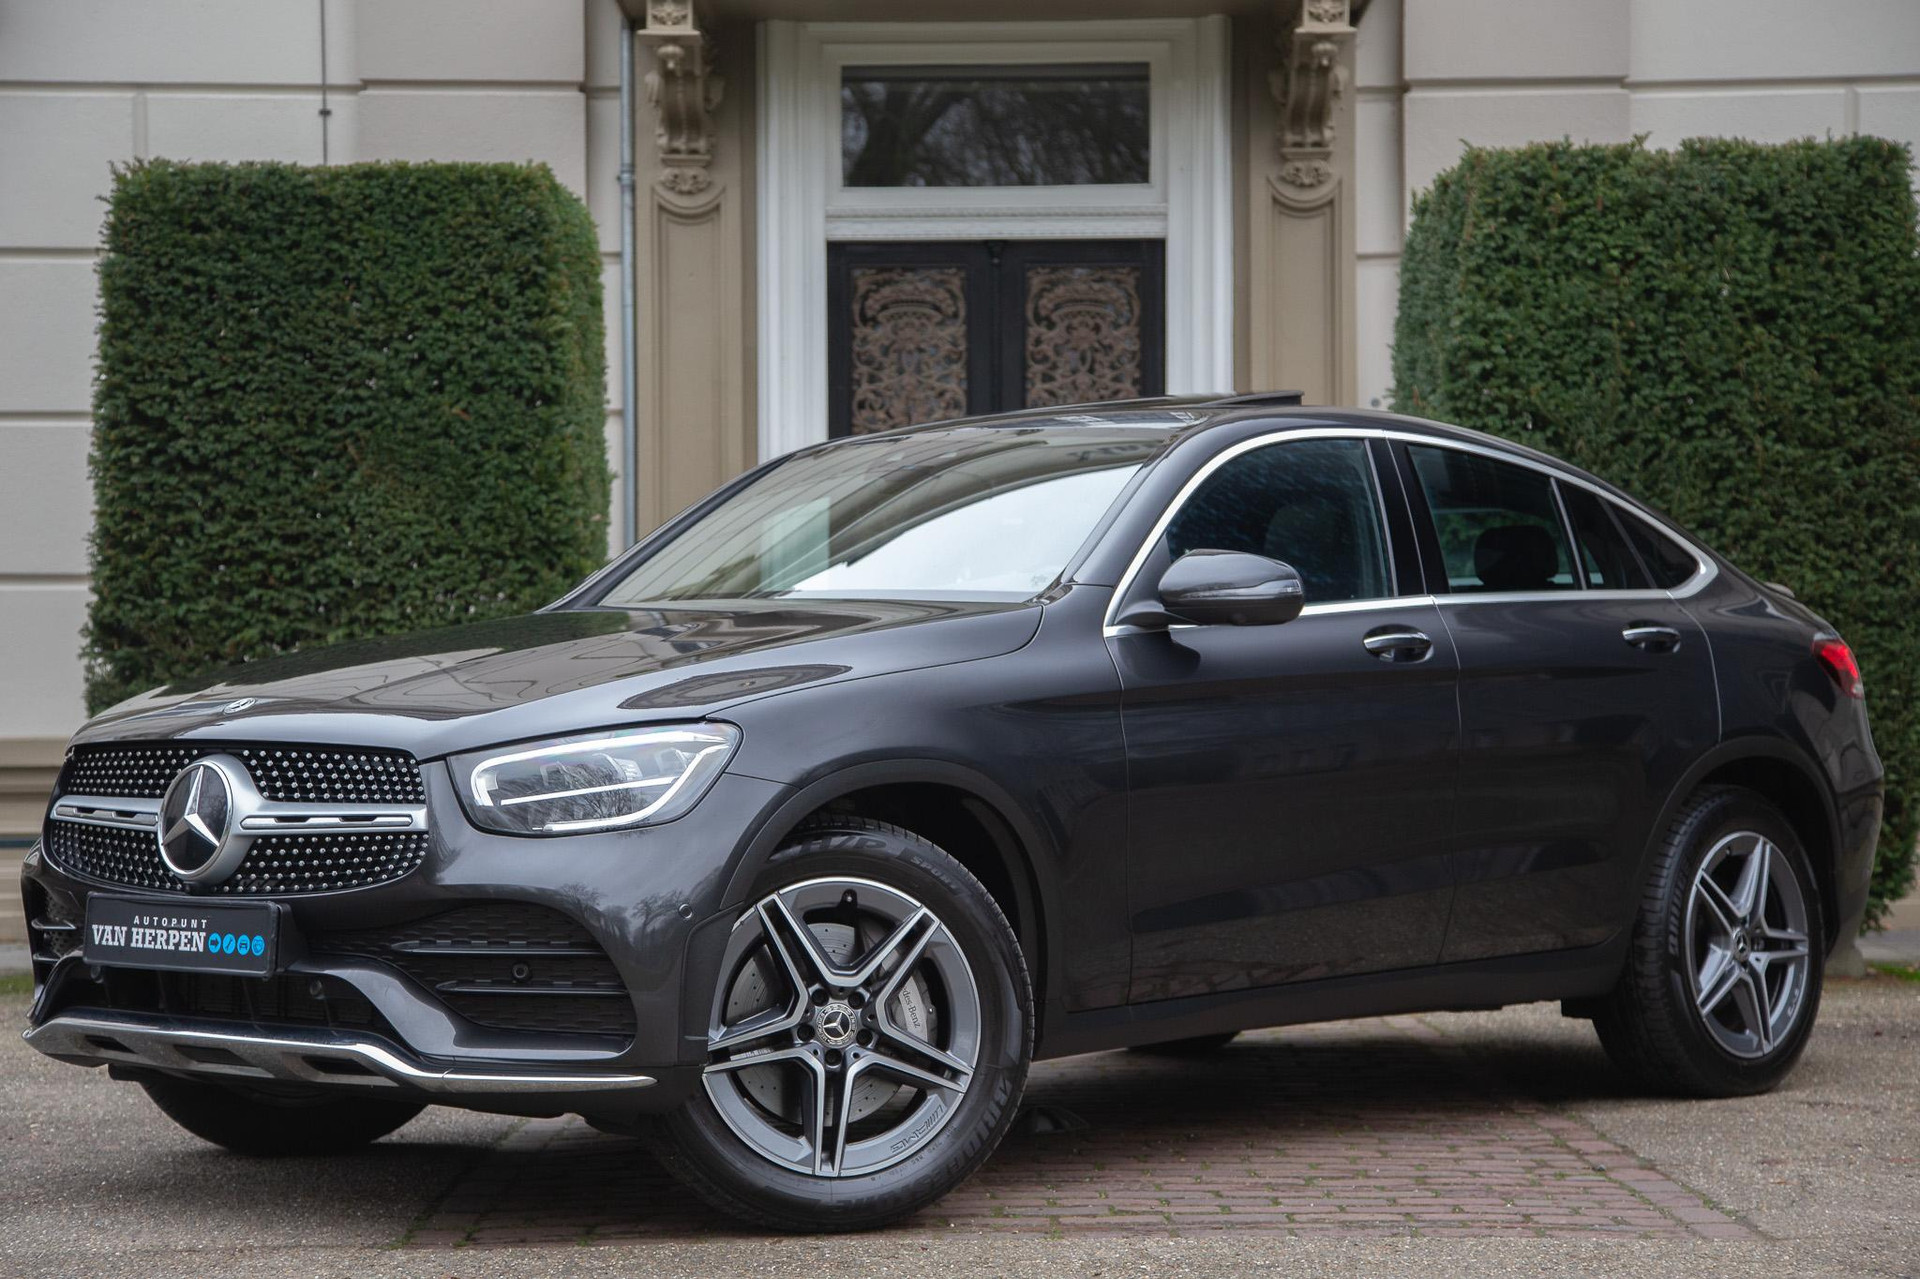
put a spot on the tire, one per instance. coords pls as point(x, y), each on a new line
point(950, 989)
point(249, 1123)
point(1196, 1046)
point(1683, 1017)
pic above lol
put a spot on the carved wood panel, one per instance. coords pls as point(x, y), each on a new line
point(1084, 339)
point(922, 331)
point(909, 346)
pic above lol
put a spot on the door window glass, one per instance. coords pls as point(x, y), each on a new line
point(995, 126)
point(1311, 504)
point(1497, 524)
point(1606, 559)
point(1670, 563)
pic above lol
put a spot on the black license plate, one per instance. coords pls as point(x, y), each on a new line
point(194, 937)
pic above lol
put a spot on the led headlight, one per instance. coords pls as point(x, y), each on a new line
point(604, 781)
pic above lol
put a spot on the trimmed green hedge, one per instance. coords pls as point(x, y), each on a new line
point(1731, 331)
point(338, 402)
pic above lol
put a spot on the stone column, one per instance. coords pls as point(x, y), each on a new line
point(696, 423)
point(1300, 254)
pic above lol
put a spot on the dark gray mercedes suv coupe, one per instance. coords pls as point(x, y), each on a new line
point(789, 839)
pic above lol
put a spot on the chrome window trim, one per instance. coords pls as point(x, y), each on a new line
point(1381, 604)
point(1705, 573)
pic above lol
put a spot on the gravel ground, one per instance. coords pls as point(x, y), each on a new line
point(1826, 1172)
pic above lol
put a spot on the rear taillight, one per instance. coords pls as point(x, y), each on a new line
point(1838, 659)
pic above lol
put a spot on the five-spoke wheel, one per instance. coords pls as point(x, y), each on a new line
point(846, 1030)
point(1723, 968)
point(1747, 941)
point(867, 1038)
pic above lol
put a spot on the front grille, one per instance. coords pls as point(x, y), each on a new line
point(284, 1000)
point(508, 965)
point(275, 864)
point(289, 774)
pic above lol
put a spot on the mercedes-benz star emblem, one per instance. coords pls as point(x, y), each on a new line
point(194, 817)
point(836, 1024)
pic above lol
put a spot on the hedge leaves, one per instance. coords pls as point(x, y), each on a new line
point(337, 402)
point(1731, 331)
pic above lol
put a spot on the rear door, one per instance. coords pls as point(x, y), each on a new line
point(1585, 691)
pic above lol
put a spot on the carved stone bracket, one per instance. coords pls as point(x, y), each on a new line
point(1307, 88)
point(684, 93)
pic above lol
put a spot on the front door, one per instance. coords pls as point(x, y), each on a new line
point(923, 330)
point(1290, 788)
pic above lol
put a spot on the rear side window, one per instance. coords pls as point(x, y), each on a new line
point(1606, 559)
point(1670, 563)
point(1498, 527)
point(1309, 503)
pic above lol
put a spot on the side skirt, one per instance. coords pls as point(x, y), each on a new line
point(1475, 984)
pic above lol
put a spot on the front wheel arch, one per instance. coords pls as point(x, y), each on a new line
point(1008, 839)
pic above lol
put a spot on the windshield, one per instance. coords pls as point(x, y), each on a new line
point(964, 513)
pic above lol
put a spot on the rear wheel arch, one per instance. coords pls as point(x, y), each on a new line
point(1784, 778)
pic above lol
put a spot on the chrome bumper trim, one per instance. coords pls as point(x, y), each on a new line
point(308, 1057)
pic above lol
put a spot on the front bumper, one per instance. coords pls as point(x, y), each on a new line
point(651, 899)
point(323, 1057)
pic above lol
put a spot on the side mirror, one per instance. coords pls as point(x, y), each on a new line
point(1231, 588)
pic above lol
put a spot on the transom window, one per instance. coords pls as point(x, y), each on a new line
point(1078, 124)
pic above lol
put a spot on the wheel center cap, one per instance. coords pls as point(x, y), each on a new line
point(1741, 946)
point(836, 1024)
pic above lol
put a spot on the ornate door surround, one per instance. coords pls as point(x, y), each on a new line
point(802, 206)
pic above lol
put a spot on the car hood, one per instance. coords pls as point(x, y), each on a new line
point(549, 674)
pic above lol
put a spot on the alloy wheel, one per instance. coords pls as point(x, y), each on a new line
point(845, 1030)
point(1746, 943)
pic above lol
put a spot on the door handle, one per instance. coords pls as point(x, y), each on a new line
point(1397, 644)
point(1655, 639)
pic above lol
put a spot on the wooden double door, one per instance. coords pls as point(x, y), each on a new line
point(924, 330)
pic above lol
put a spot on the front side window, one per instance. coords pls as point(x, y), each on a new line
point(1311, 503)
point(1497, 524)
point(969, 513)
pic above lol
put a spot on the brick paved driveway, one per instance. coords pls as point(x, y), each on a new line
point(1480, 1144)
point(1363, 1128)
